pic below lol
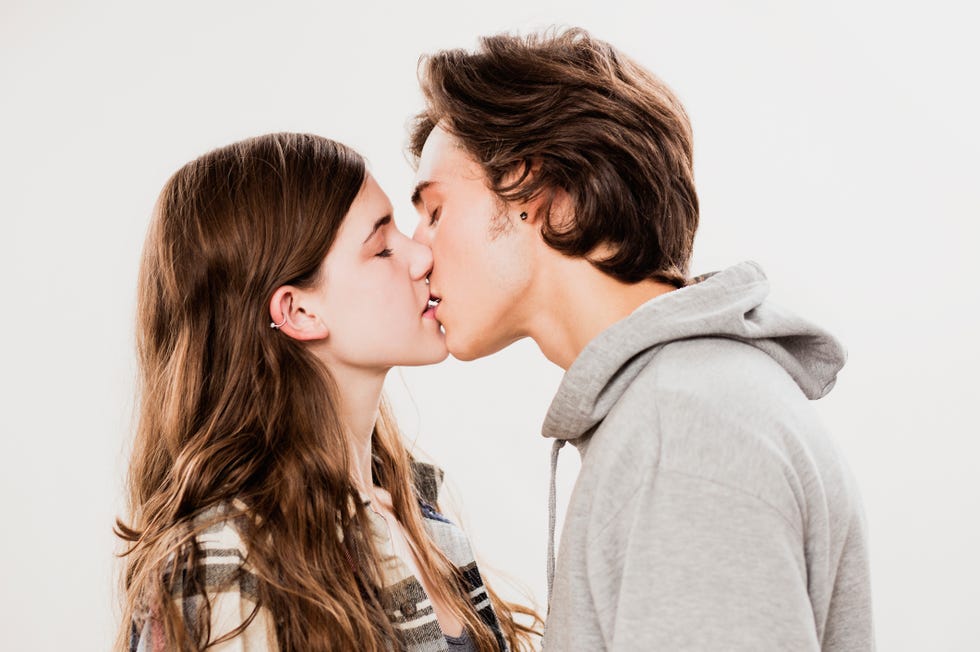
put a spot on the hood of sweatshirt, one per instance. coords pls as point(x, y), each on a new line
point(729, 304)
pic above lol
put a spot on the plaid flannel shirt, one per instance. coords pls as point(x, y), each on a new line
point(231, 586)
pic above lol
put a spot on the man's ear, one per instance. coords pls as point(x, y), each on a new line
point(552, 205)
point(290, 310)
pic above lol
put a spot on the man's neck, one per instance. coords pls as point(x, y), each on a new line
point(574, 302)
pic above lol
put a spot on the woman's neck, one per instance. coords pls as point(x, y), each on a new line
point(360, 399)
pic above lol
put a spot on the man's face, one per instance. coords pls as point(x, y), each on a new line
point(481, 250)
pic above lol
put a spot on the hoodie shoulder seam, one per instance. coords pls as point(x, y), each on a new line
point(649, 475)
point(659, 469)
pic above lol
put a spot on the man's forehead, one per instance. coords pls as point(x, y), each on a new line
point(442, 156)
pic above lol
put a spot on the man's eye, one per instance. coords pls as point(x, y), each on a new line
point(435, 216)
point(384, 253)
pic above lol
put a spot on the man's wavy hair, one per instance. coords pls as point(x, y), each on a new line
point(564, 110)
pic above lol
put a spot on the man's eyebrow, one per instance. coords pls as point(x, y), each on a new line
point(377, 225)
point(417, 195)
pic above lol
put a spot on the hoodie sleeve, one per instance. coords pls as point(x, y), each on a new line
point(704, 567)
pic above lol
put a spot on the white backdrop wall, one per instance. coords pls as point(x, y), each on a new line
point(836, 144)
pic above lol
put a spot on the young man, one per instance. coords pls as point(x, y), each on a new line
point(712, 511)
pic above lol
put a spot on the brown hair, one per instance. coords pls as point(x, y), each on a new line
point(232, 412)
point(568, 111)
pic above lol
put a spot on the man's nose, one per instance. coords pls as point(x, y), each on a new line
point(423, 234)
point(421, 265)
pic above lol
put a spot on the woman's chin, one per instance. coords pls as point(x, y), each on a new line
point(429, 352)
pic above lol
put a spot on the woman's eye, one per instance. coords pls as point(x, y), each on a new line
point(435, 216)
point(384, 253)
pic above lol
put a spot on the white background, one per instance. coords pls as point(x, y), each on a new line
point(836, 144)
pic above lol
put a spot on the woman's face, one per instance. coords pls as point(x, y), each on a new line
point(372, 297)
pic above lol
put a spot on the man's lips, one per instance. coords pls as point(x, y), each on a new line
point(430, 306)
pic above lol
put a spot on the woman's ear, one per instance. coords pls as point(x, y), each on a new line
point(290, 310)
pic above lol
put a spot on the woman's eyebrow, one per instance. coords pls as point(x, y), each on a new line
point(381, 221)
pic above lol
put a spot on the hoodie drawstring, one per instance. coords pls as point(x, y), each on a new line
point(551, 517)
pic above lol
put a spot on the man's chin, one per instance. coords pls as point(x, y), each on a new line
point(468, 349)
point(462, 352)
point(460, 346)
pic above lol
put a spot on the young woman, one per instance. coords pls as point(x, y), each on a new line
point(272, 503)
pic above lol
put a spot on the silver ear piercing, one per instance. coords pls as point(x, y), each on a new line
point(523, 216)
point(279, 325)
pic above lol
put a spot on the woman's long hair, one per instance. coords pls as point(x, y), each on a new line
point(234, 412)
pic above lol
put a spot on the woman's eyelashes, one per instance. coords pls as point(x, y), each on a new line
point(384, 253)
point(434, 216)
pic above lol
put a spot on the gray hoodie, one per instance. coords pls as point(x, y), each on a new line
point(712, 511)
